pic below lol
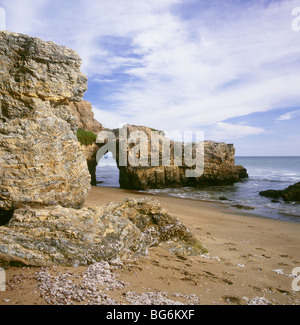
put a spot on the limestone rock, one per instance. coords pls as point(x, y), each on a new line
point(90, 152)
point(65, 236)
point(219, 162)
point(86, 121)
point(41, 161)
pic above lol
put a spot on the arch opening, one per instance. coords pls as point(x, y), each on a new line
point(107, 171)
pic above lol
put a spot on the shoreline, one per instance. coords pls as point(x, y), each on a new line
point(226, 205)
point(250, 260)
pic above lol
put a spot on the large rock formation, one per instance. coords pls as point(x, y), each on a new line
point(217, 160)
point(41, 161)
point(44, 178)
point(65, 236)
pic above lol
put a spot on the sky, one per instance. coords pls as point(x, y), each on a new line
point(228, 68)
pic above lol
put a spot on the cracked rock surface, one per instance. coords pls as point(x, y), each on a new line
point(41, 161)
point(65, 236)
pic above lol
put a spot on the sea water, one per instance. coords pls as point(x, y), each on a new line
point(264, 173)
point(107, 172)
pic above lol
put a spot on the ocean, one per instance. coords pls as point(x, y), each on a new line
point(264, 173)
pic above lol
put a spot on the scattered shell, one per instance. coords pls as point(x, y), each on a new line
point(259, 301)
point(280, 271)
point(210, 257)
point(63, 289)
point(150, 298)
point(241, 265)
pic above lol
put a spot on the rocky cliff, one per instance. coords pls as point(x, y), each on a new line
point(44, 177)
point(86, 121)
point(41, 161)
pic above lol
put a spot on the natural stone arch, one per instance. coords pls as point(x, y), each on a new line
point(219, 167)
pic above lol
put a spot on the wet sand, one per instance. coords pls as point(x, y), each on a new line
point(250, 261)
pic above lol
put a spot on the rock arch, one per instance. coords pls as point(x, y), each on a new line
point(219, 161)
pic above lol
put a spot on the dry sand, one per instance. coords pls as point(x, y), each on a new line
point(250, 261)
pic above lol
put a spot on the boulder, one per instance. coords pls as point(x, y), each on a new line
point(65, 236)
point(41, 161)
point(275, 194)
point(292, 193)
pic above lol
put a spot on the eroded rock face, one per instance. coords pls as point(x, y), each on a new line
point(90, 152)
point(86, 121)
point(66, 236)
point(41, 161)
point(219, 169)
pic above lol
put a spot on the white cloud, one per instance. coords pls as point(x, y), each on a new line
point(178, 74)
point(187, 81)
point(2, 19)
point(24, 16)
point(111, 120)
point(289, 115)
point(226, 131)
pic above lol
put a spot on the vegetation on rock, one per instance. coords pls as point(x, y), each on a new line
point(86, 137)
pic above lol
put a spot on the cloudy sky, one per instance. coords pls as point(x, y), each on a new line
point(228, 68)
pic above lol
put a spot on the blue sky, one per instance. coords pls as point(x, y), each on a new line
point(228, 68)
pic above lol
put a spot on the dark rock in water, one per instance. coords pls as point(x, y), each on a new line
point(291, 193)
point(244, 207)
point(275, 194)
point(223, 198)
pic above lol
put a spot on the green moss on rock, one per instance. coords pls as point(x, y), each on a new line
point(86, 137)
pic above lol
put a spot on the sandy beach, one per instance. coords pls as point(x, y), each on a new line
point(250, 261)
